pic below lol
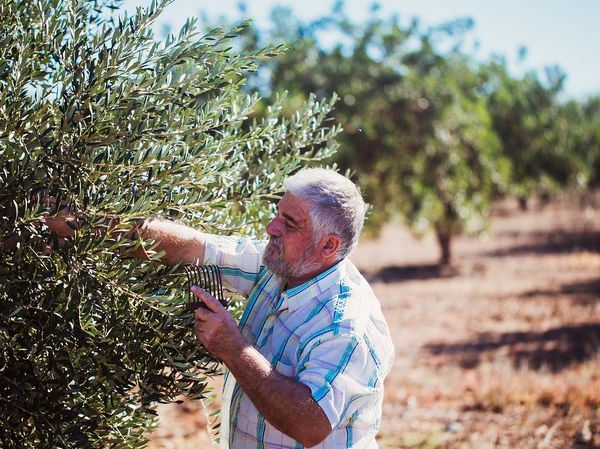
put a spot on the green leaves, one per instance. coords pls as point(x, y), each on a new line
point(432, 135)
point(95, 113)
point(417, 134)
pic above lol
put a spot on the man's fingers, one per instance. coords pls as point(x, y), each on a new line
point(202, 314)
point(199, 330)
point(206, 298)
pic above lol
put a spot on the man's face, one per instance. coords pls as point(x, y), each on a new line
point(292, 251)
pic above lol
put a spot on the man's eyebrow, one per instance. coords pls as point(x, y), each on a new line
point(290, 218)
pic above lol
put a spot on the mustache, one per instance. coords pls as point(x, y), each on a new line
point(276, 242)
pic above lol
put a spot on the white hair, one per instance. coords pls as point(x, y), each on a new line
point(336, 205)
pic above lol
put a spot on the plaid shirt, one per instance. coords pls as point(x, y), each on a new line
point(328, 333)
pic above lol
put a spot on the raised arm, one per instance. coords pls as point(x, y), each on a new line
point(180, 243)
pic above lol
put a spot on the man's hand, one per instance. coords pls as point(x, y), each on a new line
point(63, 226)
point(215, 328)
point(64, 223)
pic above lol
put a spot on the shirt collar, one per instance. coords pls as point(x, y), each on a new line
point(295, 297)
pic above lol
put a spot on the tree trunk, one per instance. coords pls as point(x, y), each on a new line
point(544, 199)
point(523, 203)
point(444, 240)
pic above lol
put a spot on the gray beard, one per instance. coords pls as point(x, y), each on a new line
point(273, 260)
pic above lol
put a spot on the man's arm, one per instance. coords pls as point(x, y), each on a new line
point(284, 402)
point(180, 243)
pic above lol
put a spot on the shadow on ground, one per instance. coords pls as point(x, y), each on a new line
point(550, 243)
point(554, 349)
point(582, 293)
point(410, 273)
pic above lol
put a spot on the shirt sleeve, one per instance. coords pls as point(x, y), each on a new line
point(342, 376)
point(239, 260)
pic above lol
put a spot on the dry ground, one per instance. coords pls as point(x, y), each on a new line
point(499, 351)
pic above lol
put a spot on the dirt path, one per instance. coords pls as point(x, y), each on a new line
point(500, 351)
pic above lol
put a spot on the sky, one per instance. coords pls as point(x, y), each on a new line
point(555, 32)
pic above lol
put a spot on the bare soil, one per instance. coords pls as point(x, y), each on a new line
point(499, 350)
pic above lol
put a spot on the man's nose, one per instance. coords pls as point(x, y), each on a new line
point(273, 228)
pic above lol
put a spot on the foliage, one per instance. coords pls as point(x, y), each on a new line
point(433, 136)
point(459, 170)
point(533, 127)
point(589, 142)
point(579, 130)
point(417, 131)
point(98, 114)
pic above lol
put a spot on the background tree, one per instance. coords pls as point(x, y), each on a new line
point(590, 145)
point(535, 130)
point(459, 169)
point(579, 133)
point(417, 131)
point(98, 114)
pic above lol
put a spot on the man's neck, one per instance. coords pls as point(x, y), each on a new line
point(295, 282)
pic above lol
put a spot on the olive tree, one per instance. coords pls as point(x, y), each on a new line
point(98, 114)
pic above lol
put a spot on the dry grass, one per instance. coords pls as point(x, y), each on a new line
point(499, 351)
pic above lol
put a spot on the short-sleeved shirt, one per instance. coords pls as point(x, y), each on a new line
point(328, 333)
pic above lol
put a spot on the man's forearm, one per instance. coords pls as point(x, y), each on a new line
point(180, 243)
point(284, 402)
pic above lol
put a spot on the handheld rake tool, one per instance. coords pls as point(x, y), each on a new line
point(207, 277)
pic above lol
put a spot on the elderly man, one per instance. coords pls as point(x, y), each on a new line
point(307, 361)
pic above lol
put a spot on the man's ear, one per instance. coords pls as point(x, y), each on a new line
point(331, 245)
